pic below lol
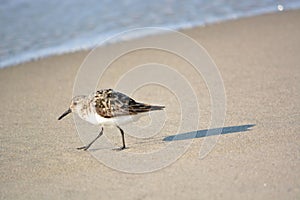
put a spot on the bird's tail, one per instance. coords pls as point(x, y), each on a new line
point(157, 107)
point(141, 107)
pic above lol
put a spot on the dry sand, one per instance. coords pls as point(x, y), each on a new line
point(258, 59)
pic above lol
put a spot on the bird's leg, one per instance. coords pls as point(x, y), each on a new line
point(123, 138)
point(88, 146)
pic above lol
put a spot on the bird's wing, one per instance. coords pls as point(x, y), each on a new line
point(109, 103)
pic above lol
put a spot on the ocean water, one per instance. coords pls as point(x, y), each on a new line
point(31, 29)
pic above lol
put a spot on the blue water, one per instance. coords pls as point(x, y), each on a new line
point(31, 29)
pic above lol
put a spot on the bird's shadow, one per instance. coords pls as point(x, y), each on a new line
point(208, 132)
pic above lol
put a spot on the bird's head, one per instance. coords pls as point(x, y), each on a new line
point(76, 104)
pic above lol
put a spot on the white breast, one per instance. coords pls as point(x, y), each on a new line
point(89, 117)
point(114, 120)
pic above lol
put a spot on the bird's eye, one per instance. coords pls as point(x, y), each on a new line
point(75, 103)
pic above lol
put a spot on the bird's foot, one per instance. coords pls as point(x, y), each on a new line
point(84, 148)
point(120, 149)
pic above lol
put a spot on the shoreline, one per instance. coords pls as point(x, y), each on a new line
point(63, 50)
point(258, 60)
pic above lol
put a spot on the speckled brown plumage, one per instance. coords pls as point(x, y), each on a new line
point(109, 103)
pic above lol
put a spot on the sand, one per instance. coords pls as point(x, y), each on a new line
point(258, 59)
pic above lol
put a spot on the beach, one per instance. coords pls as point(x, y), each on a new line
point(259, 63)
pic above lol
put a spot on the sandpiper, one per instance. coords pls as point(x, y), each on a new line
point(108, 108)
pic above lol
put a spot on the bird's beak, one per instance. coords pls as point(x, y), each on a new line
point(65, 113)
